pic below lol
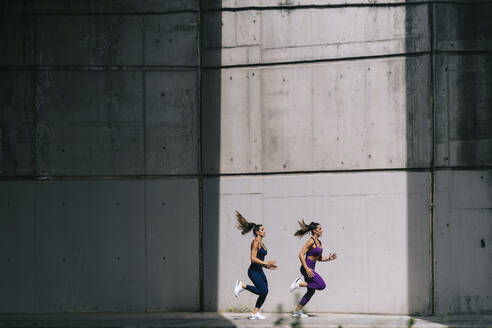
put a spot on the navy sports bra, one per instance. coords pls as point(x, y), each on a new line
point(260, 254)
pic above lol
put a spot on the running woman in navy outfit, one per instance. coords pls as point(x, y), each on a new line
point(310, 253)
point(255, 271)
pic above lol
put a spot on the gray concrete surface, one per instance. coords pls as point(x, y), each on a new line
point(133, 112)
point(101, 98)
point(272, 36)
point(463, 116)
point(288, 4)
point(99, 6)
point(99, 106)
point(365, 217)
point(463, 230)
point(229, 320)
point(463, 139)
point(99, 245)
point(88, 39)
point(453, 31)
point(328, 116)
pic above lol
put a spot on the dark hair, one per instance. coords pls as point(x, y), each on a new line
point(245, 226)
point(305, 228)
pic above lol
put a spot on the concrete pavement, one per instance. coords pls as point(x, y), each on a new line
point(209, 319)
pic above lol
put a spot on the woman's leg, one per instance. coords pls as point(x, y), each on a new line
point(306, 297)
point(316, 282)
point(260, 287)
point(312, 284)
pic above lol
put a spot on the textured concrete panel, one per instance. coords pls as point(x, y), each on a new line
point(175, 5)
point(17, 96)
point(165, 39)
point(341, 115)
point(173, 245)
point(172, 126)
point(89, 40)
point(269, 36)
point(89, 123)
point(463, 26)
point(463, 239)
point(171, 39)
point(16, 40)
point(97, 6)
point(90, 242)
point(99, 115)
point(16, 150)
point(17, 249)
point(91, 148)
point(99, 245)
point(463, 115)
point(366, 218)
point(112, 96)
point(215, 4)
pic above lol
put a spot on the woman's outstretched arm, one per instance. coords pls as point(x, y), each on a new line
point(331, 257)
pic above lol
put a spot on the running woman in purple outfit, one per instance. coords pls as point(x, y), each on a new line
point(310, 253)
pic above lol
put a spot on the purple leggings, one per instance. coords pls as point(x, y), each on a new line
point(313, 284)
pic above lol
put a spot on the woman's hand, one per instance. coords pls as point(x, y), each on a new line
point(309, 272)
point(271, 265)
point(332, 256)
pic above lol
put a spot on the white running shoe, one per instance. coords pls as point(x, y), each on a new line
point(252, 316)
point(256, 316)
point(260, 316)
point(299, 314)
point(295, 284)
point(238, 288)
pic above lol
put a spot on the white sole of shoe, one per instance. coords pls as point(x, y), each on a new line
point(236, 288)
point(295, 285)
point(299, 315)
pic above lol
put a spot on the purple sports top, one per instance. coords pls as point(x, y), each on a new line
point(315, 252)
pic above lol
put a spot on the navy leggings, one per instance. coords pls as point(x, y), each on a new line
point(261, 285)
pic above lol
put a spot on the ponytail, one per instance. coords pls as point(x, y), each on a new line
point(305, 228)
point(244, 225)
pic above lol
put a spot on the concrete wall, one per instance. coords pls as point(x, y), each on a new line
point(130, 131)
point(324, 116)
point(463, 230)
point(99, 154)
point(98, 245)
point(463, 154)
point(365, 218)
point(308, 88)
point(301, 34)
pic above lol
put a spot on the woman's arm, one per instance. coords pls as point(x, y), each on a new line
point(304, 250)
point(331, 257)
point(254, 250)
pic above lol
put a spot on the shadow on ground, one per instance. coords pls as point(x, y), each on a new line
point(116, 320)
